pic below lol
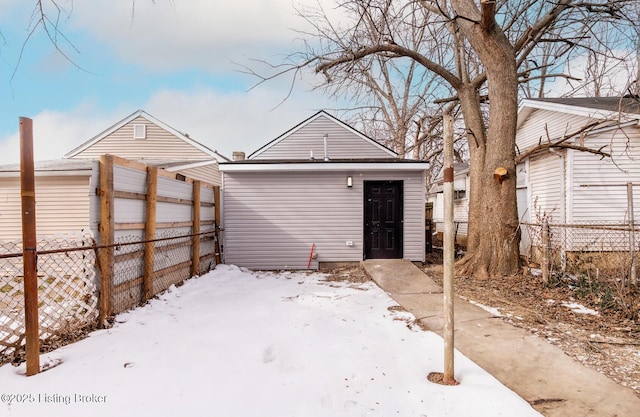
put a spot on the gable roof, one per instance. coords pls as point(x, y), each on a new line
point(592, 107)
point(141, 113)
point(310, 120)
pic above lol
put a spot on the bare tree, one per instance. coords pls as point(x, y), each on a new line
point(392, 100)
point(481, 52)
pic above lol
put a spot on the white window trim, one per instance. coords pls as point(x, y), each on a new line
point(139, 131)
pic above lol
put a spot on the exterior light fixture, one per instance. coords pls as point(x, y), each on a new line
point(349, 181)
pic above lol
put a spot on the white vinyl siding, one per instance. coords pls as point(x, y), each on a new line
point(460, 209)
point(599, 184)
point(546, 173)
point(159, 144)
point(271, 220)
point(545, 125)
point(342, 143)
point(209, 173)
point(62, 205)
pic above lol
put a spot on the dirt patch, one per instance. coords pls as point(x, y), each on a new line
point(350, 273)
point(603, 339)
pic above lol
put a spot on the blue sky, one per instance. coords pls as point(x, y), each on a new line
point(174, 59)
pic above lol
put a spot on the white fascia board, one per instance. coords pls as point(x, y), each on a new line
point(191, 165)
point(335, 166)
point(575, 110)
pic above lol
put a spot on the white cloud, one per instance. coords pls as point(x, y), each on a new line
point(222, 121)
point(613, 82)
point(190, 33)
point(234, 121)
point(168, 35)
point(57, 132)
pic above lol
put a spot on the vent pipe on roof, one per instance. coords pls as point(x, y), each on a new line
point(326, 150)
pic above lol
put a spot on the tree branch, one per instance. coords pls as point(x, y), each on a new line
point(396, 51)
point(561, 142)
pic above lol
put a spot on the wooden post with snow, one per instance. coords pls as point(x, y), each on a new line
point(448, 251)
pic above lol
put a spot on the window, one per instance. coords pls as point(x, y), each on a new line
point(139, 131)
point(459, 194)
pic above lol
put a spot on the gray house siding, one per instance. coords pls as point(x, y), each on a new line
point(272, 219)
point(308, 138)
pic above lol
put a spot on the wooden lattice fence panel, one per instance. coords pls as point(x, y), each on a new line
point(67, 291)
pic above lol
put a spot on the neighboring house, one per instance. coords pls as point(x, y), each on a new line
point(435, 195)
point(143, 138)
point(322, 193)
point(66, 198)
point(573, 186)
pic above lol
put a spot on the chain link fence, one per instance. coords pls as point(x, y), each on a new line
point(67, 291)
point(592, 248)
point(170, 264)
point(68, 281)
point(598, 260)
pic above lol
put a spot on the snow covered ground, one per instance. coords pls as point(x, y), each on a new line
point(239, 343)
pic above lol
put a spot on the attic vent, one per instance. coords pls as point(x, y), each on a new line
point(139, 131)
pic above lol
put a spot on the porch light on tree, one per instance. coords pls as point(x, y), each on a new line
point(349, 181)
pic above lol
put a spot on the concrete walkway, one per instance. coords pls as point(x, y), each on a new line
point(552, 382)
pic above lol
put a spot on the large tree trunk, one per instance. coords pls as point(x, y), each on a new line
point(493, 216)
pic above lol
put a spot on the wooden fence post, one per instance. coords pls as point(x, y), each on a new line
point(150, 233)
point(546, 249)
point(448, 253)
point(633, 280)
point(29, 246)
point(195, 254)
point(106, 228)
point(216, 223)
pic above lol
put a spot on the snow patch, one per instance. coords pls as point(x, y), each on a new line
point(495, 311)
point(240, 343)
point(579, 308)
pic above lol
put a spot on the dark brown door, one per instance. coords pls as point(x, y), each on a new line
point(383, 219)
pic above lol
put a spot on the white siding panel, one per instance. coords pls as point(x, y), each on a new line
point(169, 212)
point(62, 205)
point(129, 179)
point(128, 211)
point(168, 187)
point(210, 174)
point(543, 125)
point(271, 220)
point(599, 184)
point(547, 184)
point(159, 144)
point(206, 213)
point(206, 195)
point(341, 143)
